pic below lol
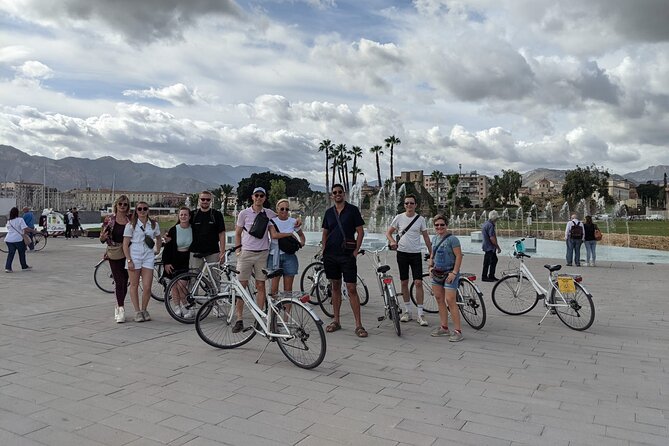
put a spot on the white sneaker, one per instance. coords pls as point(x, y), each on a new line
point(116, 314)
point(121, 315)
point(422, 321)
point(406, 317)
point(177, 310)
point(189, 313)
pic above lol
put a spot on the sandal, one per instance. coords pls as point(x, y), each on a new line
point(361, 332)
point(333, 326)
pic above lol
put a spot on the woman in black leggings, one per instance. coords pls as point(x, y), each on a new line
point(112, 235)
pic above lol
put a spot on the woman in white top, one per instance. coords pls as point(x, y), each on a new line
point(141, 241)
point(285, 227)
point(16, 227)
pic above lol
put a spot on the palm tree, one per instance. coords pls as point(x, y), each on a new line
point(391, 142)
point(341, 154)
point(355, 171)
point(437, 176)
point(377, 150)
point(227, 190)
point(356, 151)
point(325, 146)
point(334, 156)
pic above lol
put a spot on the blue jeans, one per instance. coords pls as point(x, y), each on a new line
point(574, 251)
point(591, 250)
point(13, 248)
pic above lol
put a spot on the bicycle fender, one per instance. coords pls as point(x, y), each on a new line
point(307, 307)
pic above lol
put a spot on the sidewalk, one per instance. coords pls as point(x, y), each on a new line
point(70, 376)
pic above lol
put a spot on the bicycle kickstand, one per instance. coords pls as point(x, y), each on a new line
point(547, 311)
point(263, 351)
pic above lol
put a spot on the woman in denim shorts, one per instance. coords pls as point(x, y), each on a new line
point(286, 226)
point(444, 267)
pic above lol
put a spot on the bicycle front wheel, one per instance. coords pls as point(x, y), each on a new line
point(39, 241)
point(3, 245)
point(159, 284)
point(306, 347)
point(578, 313)
point(429, 302)
point(102, 275)
point(215, 323)
point(514, 295)
point(393, 309)
point(324, 294)
point(470, 304)
point(308, 281)
point(186, 294)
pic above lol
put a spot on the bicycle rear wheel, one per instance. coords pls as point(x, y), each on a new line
point(514, 295)
point(102, 275)
point(3, 245)
point(470, 304)
point(189, 293)
point(306, 348)
point(324, 294)
point(216, 319)
point(39, 241)
point(308, 281)
point(393, 309)
point(579, 312)
point(363, 292)
point(429, 302)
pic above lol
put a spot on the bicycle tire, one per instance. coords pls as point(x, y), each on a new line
point(215, 320)
point(429, 302)
point(580, 305)
point(473, 307)
point(196, 292)
point(393, 309)
point(324, 294)
point(514, 296)
point(308, 280)
point(363, 292)
point(3, 245)
point(39, 241)
point(159, 284)
point(103, 278)
point(308, 346)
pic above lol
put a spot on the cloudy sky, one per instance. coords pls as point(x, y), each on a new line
point(491, 85)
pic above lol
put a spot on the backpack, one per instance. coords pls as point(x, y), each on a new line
point(576, 231)
point(289, 245)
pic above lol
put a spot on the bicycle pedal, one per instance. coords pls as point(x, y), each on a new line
point(380, 318)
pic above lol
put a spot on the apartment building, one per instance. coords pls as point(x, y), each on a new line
point(473, 186)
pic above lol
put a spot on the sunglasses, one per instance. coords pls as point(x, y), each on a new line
point(439, 225)
point(284, 209)
point(205, 199)
point(337, 192)
point(124, 204)
point(409, 203)
point(259, 195)
point(143, 209)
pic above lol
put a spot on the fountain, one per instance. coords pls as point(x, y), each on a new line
point(536, 218)
point(620, 211)
point(473, 219)
point(582, 209)
point(483, 217)
point(519, 216)
point(548, 210)
point(355, 195)
point(187, 204)
point(505, 214)
point(565, 213)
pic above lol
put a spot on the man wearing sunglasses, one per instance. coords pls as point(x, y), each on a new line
point(410, 227)
point(208, 232)
point(252, 257)
point(341, 241)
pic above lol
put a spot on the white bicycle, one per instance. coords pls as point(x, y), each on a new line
point(288, 321)
point(518, 292)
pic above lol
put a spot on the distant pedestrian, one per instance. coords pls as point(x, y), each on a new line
point(590, 242)
point(16, 228)
point(30, 222)
point(410, 228)
point(574, 236)
point(490, 247)
point(111, 234)
point(69, 222)
point(76, 223)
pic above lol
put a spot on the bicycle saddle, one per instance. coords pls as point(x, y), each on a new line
point(552, 268)
point(275, 273)
point(383, 269)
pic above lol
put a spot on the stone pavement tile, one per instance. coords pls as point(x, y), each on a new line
point(270, 432)
point(500, 432)
point(378, 419)
point(336, 422)
point(282, 421)
point(524, 426)
point(448, 435)
point(192, 412)
point(106, 435)
point(224, 408)
point(55, 437)
point(312, 440)
point(19, 424)
point(279, 397)
point(173, 393)
point(654, 419)
point(307, 393)
point(201, 441)
point(346, 436)
point(392, 434)
point(556, 419)
point(491, 406)
point(142, 428)
point(11, 439)
point(27, 394)
point(19, 406)
point(372, 397)
point(356, 403)
point(564, 433)
point(149, 413)
point(63, 420)
point(636, 435)
point(107, 402)
point(319, 406)
point(614, 421)
point(274, 386)
point(182, 423)
point(419, 397)
point(233, 437)
point(424, 413)
point(260, 404)
point(532, 400)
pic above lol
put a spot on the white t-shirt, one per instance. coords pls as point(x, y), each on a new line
point(15, 229)
point(285, 226)
point(410, 241)
point(137, 234)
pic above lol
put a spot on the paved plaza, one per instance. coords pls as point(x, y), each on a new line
point(70, 376)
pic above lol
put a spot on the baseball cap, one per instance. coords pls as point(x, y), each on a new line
point(259, 189)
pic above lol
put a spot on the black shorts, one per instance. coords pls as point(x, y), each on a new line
point(413, 260)
point(337, 265)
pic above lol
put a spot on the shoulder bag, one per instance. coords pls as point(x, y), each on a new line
point(289, 245)
point(348, 246)
point(26, 238)
point(598, 234)
point(259, 226)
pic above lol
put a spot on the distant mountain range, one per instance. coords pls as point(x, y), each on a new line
point(70, 173)
point(653, 173)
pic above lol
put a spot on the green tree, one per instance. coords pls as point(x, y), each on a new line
point(216, 202)
point(508, 184)
point(582, 182)
point(526, 202)
point(356, 152)
point(649, 192)
point(277, 191)
point(293, 186)
point(226, 189)
point(377, 150)
point(326, 146)
point(437, 177)
point(391, 142)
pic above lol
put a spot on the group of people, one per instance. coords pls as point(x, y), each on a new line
point(72, 223)
point(578, 233)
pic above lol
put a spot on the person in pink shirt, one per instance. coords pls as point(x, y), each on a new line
point(252, 257)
